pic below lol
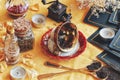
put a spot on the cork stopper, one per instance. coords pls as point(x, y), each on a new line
point(10, 28)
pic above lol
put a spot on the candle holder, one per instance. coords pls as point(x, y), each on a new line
point(18, 73)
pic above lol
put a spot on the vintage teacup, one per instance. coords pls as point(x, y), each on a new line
point(63, 39)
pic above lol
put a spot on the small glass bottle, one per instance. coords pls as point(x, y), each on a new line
point(11, 49)
point(17, 8)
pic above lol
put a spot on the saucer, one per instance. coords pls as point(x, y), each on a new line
point(79, 48)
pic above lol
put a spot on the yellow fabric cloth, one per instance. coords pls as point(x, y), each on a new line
point(38, 55)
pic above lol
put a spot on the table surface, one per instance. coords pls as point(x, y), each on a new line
point(38, 56)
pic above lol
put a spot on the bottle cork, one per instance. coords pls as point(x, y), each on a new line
point(10, 28)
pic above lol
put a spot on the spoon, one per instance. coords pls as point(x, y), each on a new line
point(48, 75)
point(81, 70)
point(54, 65)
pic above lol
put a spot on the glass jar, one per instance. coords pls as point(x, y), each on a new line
point(11, 49)
point(23, 31)
point(17, 8)
point(26, 42)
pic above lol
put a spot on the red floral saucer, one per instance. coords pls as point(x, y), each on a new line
point(44, 44)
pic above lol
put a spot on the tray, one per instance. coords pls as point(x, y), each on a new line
point(115, 44)
point(101, 22)
point(114, 18)
point(44, 44)
point(110, 59)
point(96, 40)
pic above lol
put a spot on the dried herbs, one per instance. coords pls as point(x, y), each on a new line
point(94, 66)
point(103, 73)
point(26, 43)
point(99, 6)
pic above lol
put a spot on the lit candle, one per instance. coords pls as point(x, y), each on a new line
point(18, 73)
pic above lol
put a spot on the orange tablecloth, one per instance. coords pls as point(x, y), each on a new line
point(38, 55)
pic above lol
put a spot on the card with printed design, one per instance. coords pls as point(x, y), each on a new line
point(97, 41)
point(110, 59)
point(114, 18)
point(115, 44)
point(102, 21)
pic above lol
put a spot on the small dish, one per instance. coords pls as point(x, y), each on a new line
point(107, 33)
point(80, 49)
point(38, 20)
